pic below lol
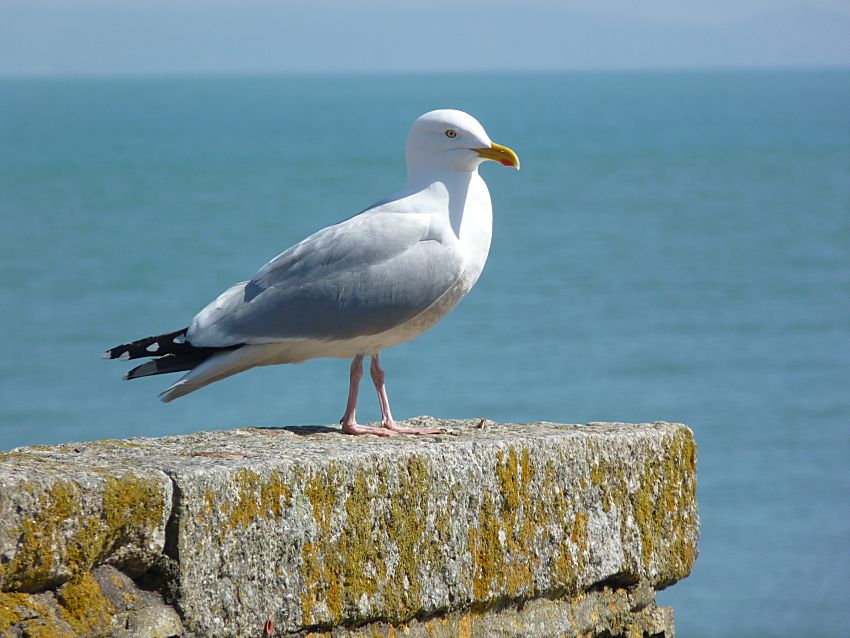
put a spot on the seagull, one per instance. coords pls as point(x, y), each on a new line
point(356, 288)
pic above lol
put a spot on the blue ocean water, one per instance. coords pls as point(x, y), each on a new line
point(676, 247)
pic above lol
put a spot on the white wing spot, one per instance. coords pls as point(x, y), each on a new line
point(153, 347)
point(179, 339)
point(125, 356)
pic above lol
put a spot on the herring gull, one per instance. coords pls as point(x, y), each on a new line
point(356, 288)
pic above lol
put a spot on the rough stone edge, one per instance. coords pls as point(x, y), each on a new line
point(613, 612)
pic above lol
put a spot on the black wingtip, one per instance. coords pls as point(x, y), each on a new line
point(120, 352)
point(169, 343)
point(169, 352)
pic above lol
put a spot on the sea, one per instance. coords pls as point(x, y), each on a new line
point(676, 247)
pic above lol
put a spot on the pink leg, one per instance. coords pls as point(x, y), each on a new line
point(387, 420)
point(349, 424)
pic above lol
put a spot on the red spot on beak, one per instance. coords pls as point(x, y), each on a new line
point(506, 162)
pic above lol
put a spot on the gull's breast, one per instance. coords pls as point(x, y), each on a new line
point(472, 232)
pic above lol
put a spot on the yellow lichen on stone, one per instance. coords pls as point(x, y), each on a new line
point(246, 508)
point(17, 456)
point(487, 555)
point(555, 504)
point(256, 500)
point(503, 544)
point(508, 480)
point(664, 494)
point(131, 507)
point(342, 571)
point(681, 495)
point(131, 504)
point(37, 628)
point(406, 529)
point(321, 582)
point(28, 613)
point(127, 445)
point(32, 566)
point(598, 473)
point(320, 490)
point(666, 491)
point(84, 607)
point(360, 571)
point(275, 494)
point(600, 476)
point(209, 501)
point(9, 610)
point(578, 536)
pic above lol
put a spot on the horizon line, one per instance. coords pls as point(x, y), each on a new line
point(179, 74)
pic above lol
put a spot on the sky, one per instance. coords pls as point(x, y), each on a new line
point(119, 37)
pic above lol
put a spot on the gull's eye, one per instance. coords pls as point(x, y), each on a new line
point(451, 133)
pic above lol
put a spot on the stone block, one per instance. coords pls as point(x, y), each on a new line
point(536, 529)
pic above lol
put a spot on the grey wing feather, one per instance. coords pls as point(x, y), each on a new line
point(360, 277)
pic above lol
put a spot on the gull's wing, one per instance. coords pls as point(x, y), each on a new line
point(359, 277)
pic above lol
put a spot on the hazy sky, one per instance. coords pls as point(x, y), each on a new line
point(260, 36)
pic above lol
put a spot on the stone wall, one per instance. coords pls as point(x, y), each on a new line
point(487, 530)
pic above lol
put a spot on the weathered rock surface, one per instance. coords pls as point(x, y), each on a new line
point(537, 529)
point(61, 514)
point(105, 602)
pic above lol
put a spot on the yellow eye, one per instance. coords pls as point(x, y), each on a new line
point(451, 133)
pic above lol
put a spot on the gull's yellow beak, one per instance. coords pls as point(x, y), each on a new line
point(499, 153)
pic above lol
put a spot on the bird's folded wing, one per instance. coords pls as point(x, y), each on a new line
point(361, 277)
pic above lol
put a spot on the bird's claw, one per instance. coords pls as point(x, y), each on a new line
point(392, 427)
point(356, 430)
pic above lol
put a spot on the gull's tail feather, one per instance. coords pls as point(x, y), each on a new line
point(215, 367)
point(172, 351)
point(166, 364)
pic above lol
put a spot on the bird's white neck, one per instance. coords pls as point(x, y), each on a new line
point(466, 201)
point(466, 192)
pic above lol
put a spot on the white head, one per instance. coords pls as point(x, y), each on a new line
point(453, 140)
